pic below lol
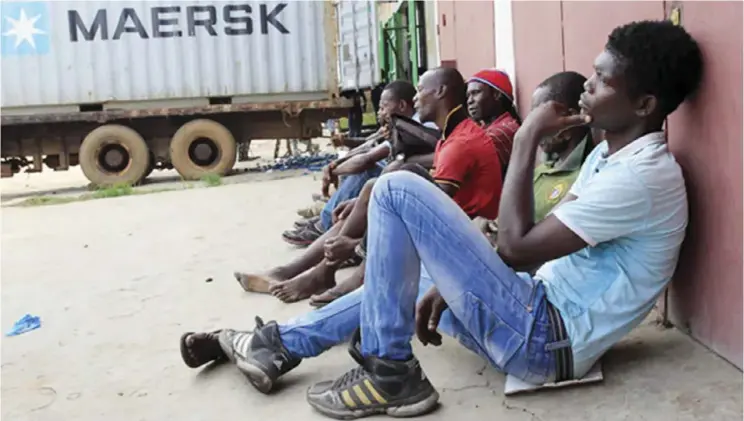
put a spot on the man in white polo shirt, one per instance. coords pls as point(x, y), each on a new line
point(607, 252)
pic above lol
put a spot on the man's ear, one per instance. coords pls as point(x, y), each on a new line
point(646, 105)
point(441, 91)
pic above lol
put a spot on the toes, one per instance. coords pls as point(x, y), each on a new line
point(276, 288)
point(289, 298)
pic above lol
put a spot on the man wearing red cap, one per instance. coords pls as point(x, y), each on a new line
point(491, 103)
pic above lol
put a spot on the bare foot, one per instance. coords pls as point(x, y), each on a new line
point(258, 283)
point(344, 287)
point(316, 280)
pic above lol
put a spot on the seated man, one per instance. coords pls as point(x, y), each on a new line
point(563, 154)
point(466, 167)
point(566, 153)
point(491, 103)
point(610, 249)
point(361, 164)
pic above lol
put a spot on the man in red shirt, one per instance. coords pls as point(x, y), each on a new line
point(491, 103)
point(466, 163)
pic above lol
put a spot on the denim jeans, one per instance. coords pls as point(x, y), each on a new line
point(349, 188)
point(419, 237)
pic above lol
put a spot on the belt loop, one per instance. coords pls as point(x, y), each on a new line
point(553, 346)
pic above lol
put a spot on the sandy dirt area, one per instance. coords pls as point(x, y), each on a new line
point(116, 281)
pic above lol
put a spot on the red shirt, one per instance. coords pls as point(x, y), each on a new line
point(466, 158)
point(502, 131)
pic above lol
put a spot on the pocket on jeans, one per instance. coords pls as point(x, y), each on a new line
point(496, 337)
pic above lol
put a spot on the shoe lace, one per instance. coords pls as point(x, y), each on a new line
point(358, 373)
point(350, 377)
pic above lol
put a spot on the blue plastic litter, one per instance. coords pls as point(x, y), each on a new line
point(312, 163)
point(27, 323)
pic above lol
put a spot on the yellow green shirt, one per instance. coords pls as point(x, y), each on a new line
point(553, 180)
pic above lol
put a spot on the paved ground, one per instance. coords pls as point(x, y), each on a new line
point(116, 281)
point(72, 182)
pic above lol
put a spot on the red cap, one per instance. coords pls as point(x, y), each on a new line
point(497, 79)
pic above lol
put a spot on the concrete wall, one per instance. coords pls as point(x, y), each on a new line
point(705, 135)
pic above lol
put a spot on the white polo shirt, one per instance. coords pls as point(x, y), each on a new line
point(631, 210)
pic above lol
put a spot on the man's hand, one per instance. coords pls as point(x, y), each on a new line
point(328, 179)
point(343, 210)
point(551, 118)
point(337, 249)
point(385, 131)
point(428, 312)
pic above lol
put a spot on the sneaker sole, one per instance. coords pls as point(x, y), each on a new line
point(415, 409)
point(250, 368)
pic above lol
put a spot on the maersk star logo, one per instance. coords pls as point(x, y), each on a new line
point(24, 28)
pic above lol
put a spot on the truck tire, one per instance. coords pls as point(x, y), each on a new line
point(202, 147)
point(114, 154)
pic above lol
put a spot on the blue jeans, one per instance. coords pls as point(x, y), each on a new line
point(419, 238)
point(349, 188)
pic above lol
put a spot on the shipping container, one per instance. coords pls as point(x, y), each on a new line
point(75, 52)
point(246, 69)
point(357, 23)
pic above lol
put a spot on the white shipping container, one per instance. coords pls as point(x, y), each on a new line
point(57, 55)
point(357, 52)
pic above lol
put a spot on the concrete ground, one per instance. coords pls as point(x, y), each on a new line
point(116, 281)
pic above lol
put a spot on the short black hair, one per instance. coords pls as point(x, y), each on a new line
point(565, 88)
point(661, 59)
point(402, 90)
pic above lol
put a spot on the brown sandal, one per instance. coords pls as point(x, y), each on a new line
point(199, 353)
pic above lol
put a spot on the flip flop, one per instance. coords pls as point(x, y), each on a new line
point(194, 356)
point(323, 303)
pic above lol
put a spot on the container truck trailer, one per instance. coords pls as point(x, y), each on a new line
point(122, 88)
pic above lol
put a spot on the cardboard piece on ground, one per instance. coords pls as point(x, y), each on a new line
point(514, 385)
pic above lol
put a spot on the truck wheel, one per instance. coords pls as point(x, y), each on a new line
point(114, 154)
point(203, 147)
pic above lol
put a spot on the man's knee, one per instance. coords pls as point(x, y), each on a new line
point(418, 170)
point(366, 192)
point(400, 180)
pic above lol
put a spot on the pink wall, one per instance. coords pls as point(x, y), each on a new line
point(466, 34)
point(588, 23)
point(538, 46)
point(706, 137)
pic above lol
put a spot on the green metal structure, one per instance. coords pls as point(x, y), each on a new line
point(402, 42)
